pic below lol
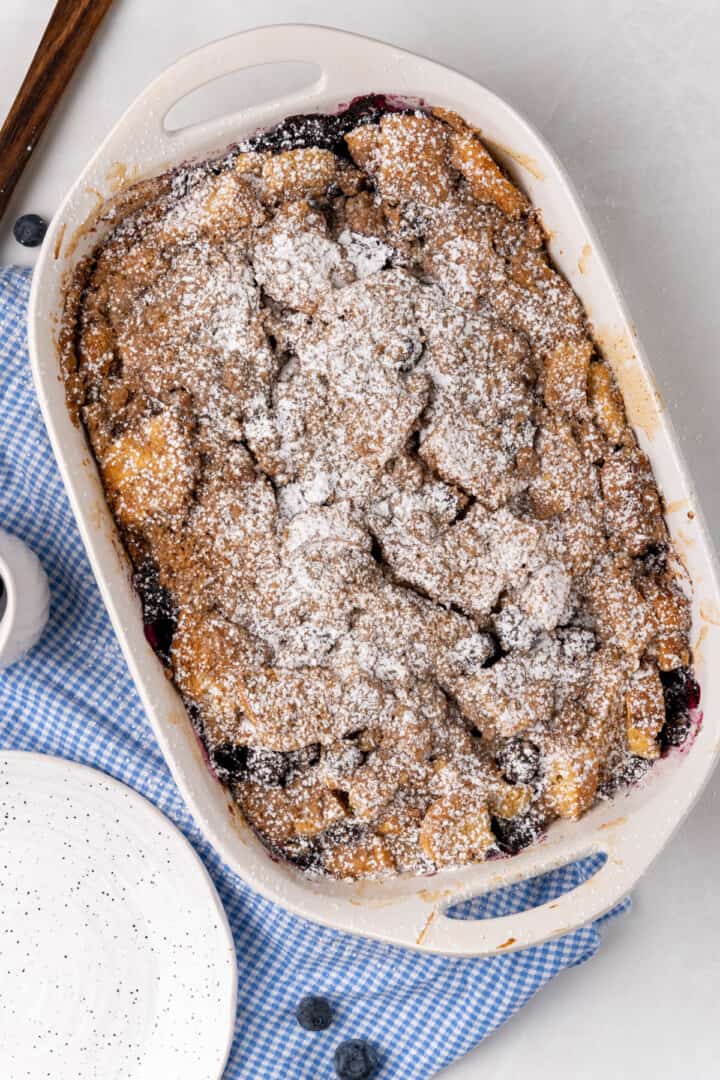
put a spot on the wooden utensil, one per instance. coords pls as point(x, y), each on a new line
point(67, 36)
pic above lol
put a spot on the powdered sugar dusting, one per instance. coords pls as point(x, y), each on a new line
point(381, 495)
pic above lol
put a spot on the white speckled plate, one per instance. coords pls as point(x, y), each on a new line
point(116, 958)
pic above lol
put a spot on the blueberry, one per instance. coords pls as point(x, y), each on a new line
point(162, 631)
point(473, 652)
point(297, 761)
point(518, 761)
point(514, 629)
point(344, 832)
point(274, 768)
point(159, 614)
point(268, 768)
point(633, 769)
point(355, 1059)
point(681, 691)
point(230, 761)
point(29, 230)
point(629, 770)
point(324, 130)
point(676, 730)
point(413, 350)
point(673, 683)
point(514, 834)
point(655, 559)
point(344, 760)
point(314, 1013)
point(304, 853)
point(156, 600)
point(577, 642)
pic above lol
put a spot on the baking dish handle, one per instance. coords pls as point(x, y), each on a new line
point(507, 933)
point(317, 45)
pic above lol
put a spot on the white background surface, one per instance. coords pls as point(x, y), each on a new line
point(628, 93)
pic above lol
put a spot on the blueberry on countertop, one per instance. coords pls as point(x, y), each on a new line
point(314, 1013)
point(29, 230)
point(355, 1059)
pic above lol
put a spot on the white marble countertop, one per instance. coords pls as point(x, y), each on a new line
point(628, 93)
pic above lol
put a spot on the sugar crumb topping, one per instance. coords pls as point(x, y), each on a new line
point(393, 535)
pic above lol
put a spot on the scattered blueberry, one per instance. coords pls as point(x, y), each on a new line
point(682, 694)
point(514, 834)
point(629, 770)
point(230, 761)
point(681, 691)
point(655, 559)
point(473, 652)
point(304, 853)
point(344, 832)
point(632, 769)
point(297, 761)
point(355, 1059)
point(518, 761)
point(314, 1013)
point(344, 760)
point(160, 635)
point(414, 349)
point(675, 731)
point(159, 614)
point(325, 130)
point(268, 768)
point(29, 230)
point(514, 629)
point(156, 600)
point(577, 642)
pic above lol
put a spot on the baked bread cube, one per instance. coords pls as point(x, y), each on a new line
point(486, 179)
point(633, 516)
point(624, 618)
point(563, 476)
point(305, 173)
point(455, 830)
point(408, 155)
point(565, 376)
point(606, 401)
point(149, 470)
point(645, 712)
point(572, 778)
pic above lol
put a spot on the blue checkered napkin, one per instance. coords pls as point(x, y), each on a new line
point(73, 696)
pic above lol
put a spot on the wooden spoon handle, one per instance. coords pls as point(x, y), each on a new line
point(67, 36)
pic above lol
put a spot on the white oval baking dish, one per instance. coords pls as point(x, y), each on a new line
point(633, 828)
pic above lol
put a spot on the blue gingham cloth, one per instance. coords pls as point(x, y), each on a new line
point(73, 697)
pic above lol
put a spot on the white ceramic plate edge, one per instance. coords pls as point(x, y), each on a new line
point(60, 770)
